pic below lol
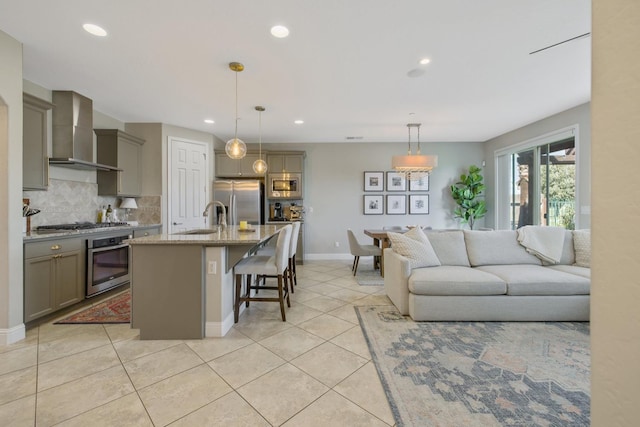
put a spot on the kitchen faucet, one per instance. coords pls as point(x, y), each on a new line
point(223, 220)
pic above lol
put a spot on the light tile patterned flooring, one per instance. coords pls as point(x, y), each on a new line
point(313, 370)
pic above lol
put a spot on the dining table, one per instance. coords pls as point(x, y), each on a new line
point(381, 239)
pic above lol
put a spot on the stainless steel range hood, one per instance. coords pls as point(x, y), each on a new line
point(72, 144)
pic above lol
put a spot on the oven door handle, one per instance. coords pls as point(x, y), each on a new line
point(109, 248)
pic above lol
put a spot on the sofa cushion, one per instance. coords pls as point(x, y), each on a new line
point(449, 247)
point(582, 246)
point(454, 280)
point(526, 279)
point(415, 247)
point(496, 248)
point(568, 253)
point(573, 269)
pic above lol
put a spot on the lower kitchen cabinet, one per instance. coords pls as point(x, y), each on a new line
point(53, 276)
point(142, 232)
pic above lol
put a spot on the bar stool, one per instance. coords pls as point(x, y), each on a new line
point(270, 249)
point(268, 266)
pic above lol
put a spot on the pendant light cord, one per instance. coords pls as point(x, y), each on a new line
point(236, 133)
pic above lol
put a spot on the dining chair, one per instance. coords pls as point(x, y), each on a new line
point(264, 266)
point(358, 250)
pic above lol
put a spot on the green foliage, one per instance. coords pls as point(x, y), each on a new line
point(465, 193)
point(562, 182)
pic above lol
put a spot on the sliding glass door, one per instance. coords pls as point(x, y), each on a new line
point(541, 183)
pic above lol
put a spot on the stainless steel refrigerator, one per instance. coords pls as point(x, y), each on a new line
point(242, 198)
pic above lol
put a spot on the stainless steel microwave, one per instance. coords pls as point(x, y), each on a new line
point(284, 186)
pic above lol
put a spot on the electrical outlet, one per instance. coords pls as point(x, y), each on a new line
point(212, 267)
point(337, 244)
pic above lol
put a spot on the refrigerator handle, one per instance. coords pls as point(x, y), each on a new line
point(232, 207)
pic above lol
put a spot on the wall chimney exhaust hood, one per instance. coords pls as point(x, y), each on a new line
point(72, 142)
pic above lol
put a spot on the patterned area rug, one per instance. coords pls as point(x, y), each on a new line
point(480, 373)
point(116, 309)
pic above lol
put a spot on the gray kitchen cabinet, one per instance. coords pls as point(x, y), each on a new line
point(226, 167)
point(53, 276)
point(286, 162)
point(123, 151)
point(35, 158)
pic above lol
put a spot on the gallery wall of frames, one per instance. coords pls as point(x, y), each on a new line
point(394, 194)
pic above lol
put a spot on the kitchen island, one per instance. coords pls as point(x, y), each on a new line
point(182, 284)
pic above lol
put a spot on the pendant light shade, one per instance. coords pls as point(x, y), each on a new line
point(414, 166)
point(235, 147)
point(260, 166)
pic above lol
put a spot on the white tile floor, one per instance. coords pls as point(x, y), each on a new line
point(313, 370)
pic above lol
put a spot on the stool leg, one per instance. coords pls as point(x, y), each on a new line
point(355, 265)
point(291, 275)
point(248, 279)
point(295, 274)
point(236, 303)
point(281, 295)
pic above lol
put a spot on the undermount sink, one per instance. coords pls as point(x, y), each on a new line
point(200, 231)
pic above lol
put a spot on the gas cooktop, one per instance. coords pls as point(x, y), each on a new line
point(77, 226)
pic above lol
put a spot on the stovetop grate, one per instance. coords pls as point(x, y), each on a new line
point(79, 226)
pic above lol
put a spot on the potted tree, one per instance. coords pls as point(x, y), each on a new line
point(465, 193)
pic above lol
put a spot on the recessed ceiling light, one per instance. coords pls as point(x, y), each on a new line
point(279, 31)
point(95, 30)
point(209, 121)
point(298, 122)
point(424, 61)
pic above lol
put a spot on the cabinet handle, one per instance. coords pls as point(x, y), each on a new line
point(177, 223)
point(55, 247)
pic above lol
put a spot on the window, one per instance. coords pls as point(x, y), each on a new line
point(540, 179)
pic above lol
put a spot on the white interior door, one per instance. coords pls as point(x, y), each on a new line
point(188, 184)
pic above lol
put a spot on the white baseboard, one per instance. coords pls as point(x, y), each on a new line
point(328, 257)
point(220, 329)
point(15, 334)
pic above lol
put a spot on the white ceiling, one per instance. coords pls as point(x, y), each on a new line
point(346, 69)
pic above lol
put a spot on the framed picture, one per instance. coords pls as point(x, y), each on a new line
point(421, 184)
point(373, 205)
point(374, 181)
point(396, 182)
point(418, 204)
point(396, 204)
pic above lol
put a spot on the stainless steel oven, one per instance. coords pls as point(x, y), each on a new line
point(107, 263)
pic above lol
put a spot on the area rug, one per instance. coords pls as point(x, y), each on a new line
point(480, 373)
point(116, 309)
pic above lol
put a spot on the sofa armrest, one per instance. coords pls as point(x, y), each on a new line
point(396, 279)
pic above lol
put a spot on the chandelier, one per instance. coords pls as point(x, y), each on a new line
point(236, 148)
point(414, 166)
point(260, 166)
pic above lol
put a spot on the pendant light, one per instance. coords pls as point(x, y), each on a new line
point(260, 166)
point(236, 148)
point(414, 166)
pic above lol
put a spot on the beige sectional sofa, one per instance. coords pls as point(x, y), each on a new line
point(487, 276)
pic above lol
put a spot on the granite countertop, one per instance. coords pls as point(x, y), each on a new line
point(34, 235)
point(232, 235)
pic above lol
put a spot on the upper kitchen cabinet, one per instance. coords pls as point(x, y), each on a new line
point(227, 167)
point(35, 157)
point(286, 161)
point(123, 151)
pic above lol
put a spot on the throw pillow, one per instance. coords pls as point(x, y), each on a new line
point(582, 246)
point(420, 253)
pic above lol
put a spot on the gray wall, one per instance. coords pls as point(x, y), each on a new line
point(334, 189)
point(580, 115)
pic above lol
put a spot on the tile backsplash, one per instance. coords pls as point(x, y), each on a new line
point(73, 201)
